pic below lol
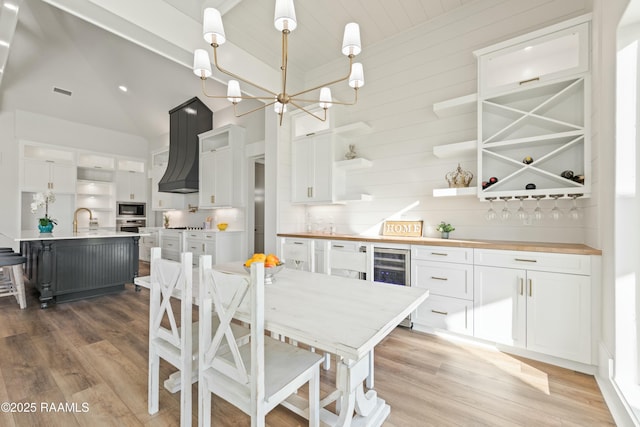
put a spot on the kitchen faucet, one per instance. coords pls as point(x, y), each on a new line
point(75, 217)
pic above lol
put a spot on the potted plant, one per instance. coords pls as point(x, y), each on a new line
point(45, 223)
point(444, 228)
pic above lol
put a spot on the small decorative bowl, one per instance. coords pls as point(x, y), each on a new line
point(222, 226)
point(269, 272)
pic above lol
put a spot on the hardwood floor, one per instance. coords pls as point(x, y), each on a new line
point(92, 357)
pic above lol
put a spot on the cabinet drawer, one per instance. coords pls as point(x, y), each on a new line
point(444, 279)
point(442, 253)
point(340, 245)
point(541, 261)
point(450, 314)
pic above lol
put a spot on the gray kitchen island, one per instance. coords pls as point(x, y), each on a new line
point(71, 266)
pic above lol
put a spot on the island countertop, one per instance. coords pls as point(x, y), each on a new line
point(564, 248)
point(31, 235)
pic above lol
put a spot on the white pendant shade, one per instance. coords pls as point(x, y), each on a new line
point(212, 29)
point(325, 98)
point(233, 91)
point(285, 15)
point(356, 79)
point(279, 108)
point(201, 63)
point(351, 40)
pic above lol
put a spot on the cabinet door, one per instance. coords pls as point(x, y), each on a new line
point(164, 201)
point(47, 175)
point(499, 306)
point(313, 169)
point(216, 178)
point(131, 186)
point(558, 315)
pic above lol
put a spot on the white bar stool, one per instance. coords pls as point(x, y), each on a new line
point(12, 282)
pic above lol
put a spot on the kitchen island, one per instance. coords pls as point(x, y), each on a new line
point(70, 266)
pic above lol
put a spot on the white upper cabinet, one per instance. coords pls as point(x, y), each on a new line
point(47, 168)
point(221, 167)
point(313, 169)
point(534, 116)
point(131, 181)
point(547, 55)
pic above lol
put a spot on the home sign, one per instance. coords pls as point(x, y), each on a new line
point(402, 228)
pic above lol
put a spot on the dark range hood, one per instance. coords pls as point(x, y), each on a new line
point(186, 122)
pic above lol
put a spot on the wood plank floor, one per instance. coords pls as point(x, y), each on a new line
point(92, 357)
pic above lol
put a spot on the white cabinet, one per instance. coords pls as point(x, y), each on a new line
point(46, 168)
point(312, 169)
point(448, 274)
point(171, 243)
point(161, 201)
point(131, 181)
point(221, 168)
point(545, 55)
point(523, 299)
point(223, 246)
point(148, 242)
point(534, 114)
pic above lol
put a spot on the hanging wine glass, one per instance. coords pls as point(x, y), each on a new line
point(537, 212)
point(505, 214)
point(491, 214)
point(521, 214)
point(574, 212)
point(556, 213)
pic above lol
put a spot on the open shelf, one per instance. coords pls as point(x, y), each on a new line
point(353, 164)
point(457, 149)
point(455, 106)
point(450, 192)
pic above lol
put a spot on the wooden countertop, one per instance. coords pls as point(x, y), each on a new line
point(562, 248)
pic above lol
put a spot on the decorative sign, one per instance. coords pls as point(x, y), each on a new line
point(402, 228)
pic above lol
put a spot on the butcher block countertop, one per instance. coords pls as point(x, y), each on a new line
point(562, 248)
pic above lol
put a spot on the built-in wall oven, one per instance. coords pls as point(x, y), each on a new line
point(392, 265)
point(131, 225)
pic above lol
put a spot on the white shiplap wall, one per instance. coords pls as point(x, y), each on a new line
point(404, 76)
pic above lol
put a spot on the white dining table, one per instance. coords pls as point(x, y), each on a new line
point(343, 316)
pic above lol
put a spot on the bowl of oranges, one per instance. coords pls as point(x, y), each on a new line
point(272, 265)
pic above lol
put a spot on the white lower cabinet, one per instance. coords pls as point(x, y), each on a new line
point(450, 303)
point(543, 311)
point(147, 242)
point(224, 246)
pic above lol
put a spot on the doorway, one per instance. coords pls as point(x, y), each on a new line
point(258, 207)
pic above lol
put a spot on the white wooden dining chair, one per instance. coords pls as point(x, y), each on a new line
point(256, 376)
point(174, 343)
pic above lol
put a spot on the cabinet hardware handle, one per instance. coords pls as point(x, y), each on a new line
point(213, 199)
point(439, 278)
point(521, 286)
point(298, 243)
point(526, 260)
point(530, 287)
point(203, 247)
point(159, 202)
point(444, 313)
point(465, 317)
point(524, 82)
point(439, 254)
point(309, 134)
point(338, 246)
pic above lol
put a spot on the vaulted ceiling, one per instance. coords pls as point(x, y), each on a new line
point(90, 47)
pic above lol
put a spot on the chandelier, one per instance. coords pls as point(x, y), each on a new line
point(284, 21)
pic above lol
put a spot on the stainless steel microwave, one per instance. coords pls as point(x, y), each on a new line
point(129, 209)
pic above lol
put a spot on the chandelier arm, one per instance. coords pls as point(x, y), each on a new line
point(330, 83)
point(355, 99)
point(235, 76)
point(235, 112)
point(204, 91)
point(309, 112)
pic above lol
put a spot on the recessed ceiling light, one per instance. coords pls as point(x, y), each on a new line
point(123, 88)
point(11, 6)
point(4, 43)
